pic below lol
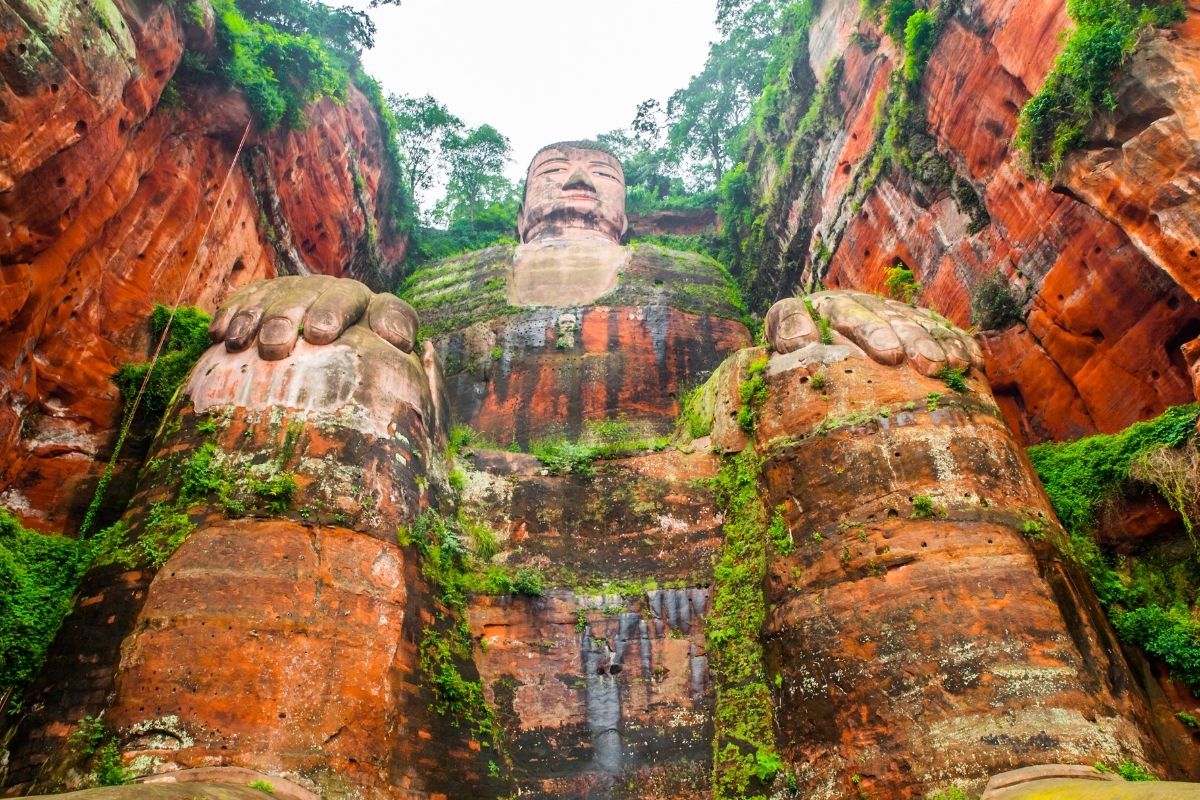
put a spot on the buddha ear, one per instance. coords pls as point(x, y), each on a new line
point(521, 222)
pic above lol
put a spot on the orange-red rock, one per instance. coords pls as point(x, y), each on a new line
point(921, 648)
point(111, 202)
point(517, 374)
point(1103, 254)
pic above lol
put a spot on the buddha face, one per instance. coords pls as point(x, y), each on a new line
point(573, 192)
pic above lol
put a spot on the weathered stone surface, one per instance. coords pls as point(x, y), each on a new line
point(674, 222)
point(1104, 270)
point(922, 641)
point(327, 605)
point(168, 791)
point(1139, 167)
point(105, 199)
point(515, 373)
point(603, 684)
point(601, 694)
point(1076, 789)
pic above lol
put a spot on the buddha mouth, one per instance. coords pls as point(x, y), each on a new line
point(579, 196)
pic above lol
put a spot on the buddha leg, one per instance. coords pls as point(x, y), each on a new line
point(274, 623)
point(924, 631)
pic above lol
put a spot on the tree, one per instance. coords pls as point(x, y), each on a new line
point(346, 30)
point(477, 162)
point(426, 131)
point(706, 116)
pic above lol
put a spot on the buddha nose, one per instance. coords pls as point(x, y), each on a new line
point(579, 180)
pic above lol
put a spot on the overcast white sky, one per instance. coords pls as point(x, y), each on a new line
point(541, 71)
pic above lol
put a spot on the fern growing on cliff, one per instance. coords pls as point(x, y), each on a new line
point(1079, 85)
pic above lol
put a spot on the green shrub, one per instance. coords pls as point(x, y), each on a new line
point(279, 72)
point(109, 769)
point(186, 342)
point(1128, 770)
point(1079, 85)
point(955, 378)
point(920, 35)
point(1080, 475)
point(91, 740)
point(923, 507)
point(262, 786)
point(825, 330)
point(1168, 634)
point(896, 14)
point(901, 284)
point(528, 582)
point(1148, 602)
point(563, 457)
point(994, 305)
point(275, 493)
point(780, 535)
point(38, 577)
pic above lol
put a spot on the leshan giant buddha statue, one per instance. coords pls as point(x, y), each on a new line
point(911, 638)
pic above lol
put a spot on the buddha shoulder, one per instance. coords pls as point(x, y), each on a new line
point(456, 292)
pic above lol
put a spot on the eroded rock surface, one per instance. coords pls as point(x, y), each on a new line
point(516, 373)
point(1102, 260)
point(281, 632)
point(111, 201)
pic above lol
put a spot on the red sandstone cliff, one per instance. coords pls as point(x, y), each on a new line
point(1106, 252)
point(105, 195)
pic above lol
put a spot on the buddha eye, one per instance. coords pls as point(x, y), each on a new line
point(550, 171)
point(610, 176)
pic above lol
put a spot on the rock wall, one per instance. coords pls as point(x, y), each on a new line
point(112, 200)
point(1103, 256)
point(520, 374)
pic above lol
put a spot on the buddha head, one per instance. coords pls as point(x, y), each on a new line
point(573, 190)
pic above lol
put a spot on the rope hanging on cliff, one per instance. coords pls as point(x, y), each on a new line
point(89, 519)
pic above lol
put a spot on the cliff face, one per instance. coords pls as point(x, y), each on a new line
point(1103, 256)
point(112, 199)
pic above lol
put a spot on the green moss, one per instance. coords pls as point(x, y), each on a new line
point(753, 393)
point(952, 793)
point(695, 414)
point(1052, 123)
point(745, 759)
point(458, 292)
